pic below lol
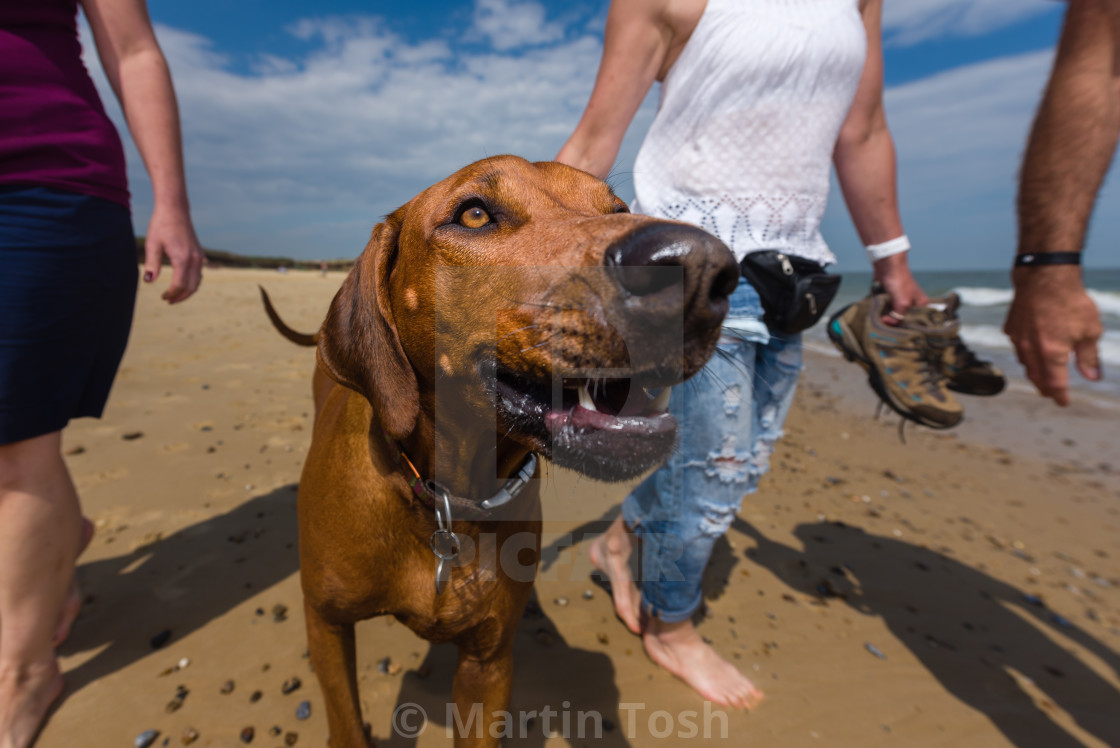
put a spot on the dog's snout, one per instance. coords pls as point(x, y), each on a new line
point(659, 256)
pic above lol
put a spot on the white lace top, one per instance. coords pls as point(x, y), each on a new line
point(748, 117)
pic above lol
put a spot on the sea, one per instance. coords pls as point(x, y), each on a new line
point(985, 296)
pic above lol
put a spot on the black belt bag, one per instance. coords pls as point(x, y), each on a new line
point(795, 292)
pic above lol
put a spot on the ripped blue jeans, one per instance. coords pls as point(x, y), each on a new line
point(729, 417)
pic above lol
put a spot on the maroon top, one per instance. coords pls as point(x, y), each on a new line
point(53, 129)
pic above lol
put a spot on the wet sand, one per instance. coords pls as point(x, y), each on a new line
point(958, 589)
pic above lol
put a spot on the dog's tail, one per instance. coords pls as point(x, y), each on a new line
point(299, 338)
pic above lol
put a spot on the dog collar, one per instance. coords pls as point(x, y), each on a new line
point(433, 493)
point(444, 542)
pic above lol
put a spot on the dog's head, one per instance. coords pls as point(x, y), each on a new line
point(526, 296)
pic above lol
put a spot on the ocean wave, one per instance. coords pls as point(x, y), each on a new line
point(1108, 302)
point(983, 296)
point(991, 337)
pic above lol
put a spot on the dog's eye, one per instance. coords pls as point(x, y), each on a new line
point(474, 217)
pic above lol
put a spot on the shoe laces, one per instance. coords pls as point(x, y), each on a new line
point(927, 358)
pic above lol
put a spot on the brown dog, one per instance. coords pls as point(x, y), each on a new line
point(512, 310)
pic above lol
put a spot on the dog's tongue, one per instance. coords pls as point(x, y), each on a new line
point(589, 420)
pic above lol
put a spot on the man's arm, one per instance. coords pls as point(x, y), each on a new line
point(865, 167)
point(1068, 154)
point(635, 43)
point(138, 73)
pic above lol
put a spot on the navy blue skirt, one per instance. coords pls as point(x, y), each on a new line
point(68, 275)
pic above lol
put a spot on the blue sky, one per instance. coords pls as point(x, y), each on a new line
point(304, 123)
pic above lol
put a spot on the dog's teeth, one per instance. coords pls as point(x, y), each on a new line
point(661, 402)
point(585, 399)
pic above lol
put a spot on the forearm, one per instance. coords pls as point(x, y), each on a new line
point(866, 170)
point(865, 167)
point(148, 100)
point(634, 48)
point(1074, 134)
point(589, 149)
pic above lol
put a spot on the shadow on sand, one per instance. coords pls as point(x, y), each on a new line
point(979, 628)
point(978, 631)
point(181, 582)
point(197, 574)
point(548, 673)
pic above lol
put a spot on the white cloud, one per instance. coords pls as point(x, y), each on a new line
point(509, 24)
point(907, 22)
point(302, 156)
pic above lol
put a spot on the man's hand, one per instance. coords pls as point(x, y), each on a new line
point(1050, 317)
point(170, 233)
point(893, 274)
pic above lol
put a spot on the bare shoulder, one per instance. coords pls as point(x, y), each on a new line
point(679, 18)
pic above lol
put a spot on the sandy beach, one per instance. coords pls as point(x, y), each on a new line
point(958, 589)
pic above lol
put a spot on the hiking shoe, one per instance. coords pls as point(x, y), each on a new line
point(902, 361)
point(964, 372)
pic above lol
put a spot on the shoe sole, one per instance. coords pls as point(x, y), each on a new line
point(847, 344)
point(976, 392)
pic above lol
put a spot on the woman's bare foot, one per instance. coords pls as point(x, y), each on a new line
point(73, 602)
point(25, 698)
point(678, 648)
point(610, 552)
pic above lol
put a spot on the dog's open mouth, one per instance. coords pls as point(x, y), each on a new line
point(607, 428)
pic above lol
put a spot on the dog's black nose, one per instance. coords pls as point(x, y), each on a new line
point(660, 256)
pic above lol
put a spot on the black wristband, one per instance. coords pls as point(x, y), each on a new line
point(1047, 258)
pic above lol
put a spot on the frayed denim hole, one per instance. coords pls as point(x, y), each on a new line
point(732, 399)
point(715, 519)
point(760, 456)
point(767, 416)
point(727, 465)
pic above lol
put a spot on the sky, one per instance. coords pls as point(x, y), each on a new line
point(305, 123)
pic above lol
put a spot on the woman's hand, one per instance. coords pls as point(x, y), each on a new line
point(171, 234)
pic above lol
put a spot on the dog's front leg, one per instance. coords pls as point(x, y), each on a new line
point(333, 657)
point(481, 694)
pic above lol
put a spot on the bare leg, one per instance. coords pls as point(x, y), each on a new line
point(610, 552)
point(678, 648)
point(40, 530)
point(73, 602)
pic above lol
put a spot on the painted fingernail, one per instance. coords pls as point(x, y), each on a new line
point(147, 276)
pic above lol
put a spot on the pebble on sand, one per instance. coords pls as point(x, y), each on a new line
point(247, 735)
point(227, 687)
point(303, 711)
point(189, 735)
point(874, 650)
point(290, 685)
point(146, 738)
point(386, 666)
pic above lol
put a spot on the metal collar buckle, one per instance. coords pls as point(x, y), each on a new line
point(444, 542)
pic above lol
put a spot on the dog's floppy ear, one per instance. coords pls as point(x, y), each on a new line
point(359, 346)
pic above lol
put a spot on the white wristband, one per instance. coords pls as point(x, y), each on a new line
point(886, 249)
